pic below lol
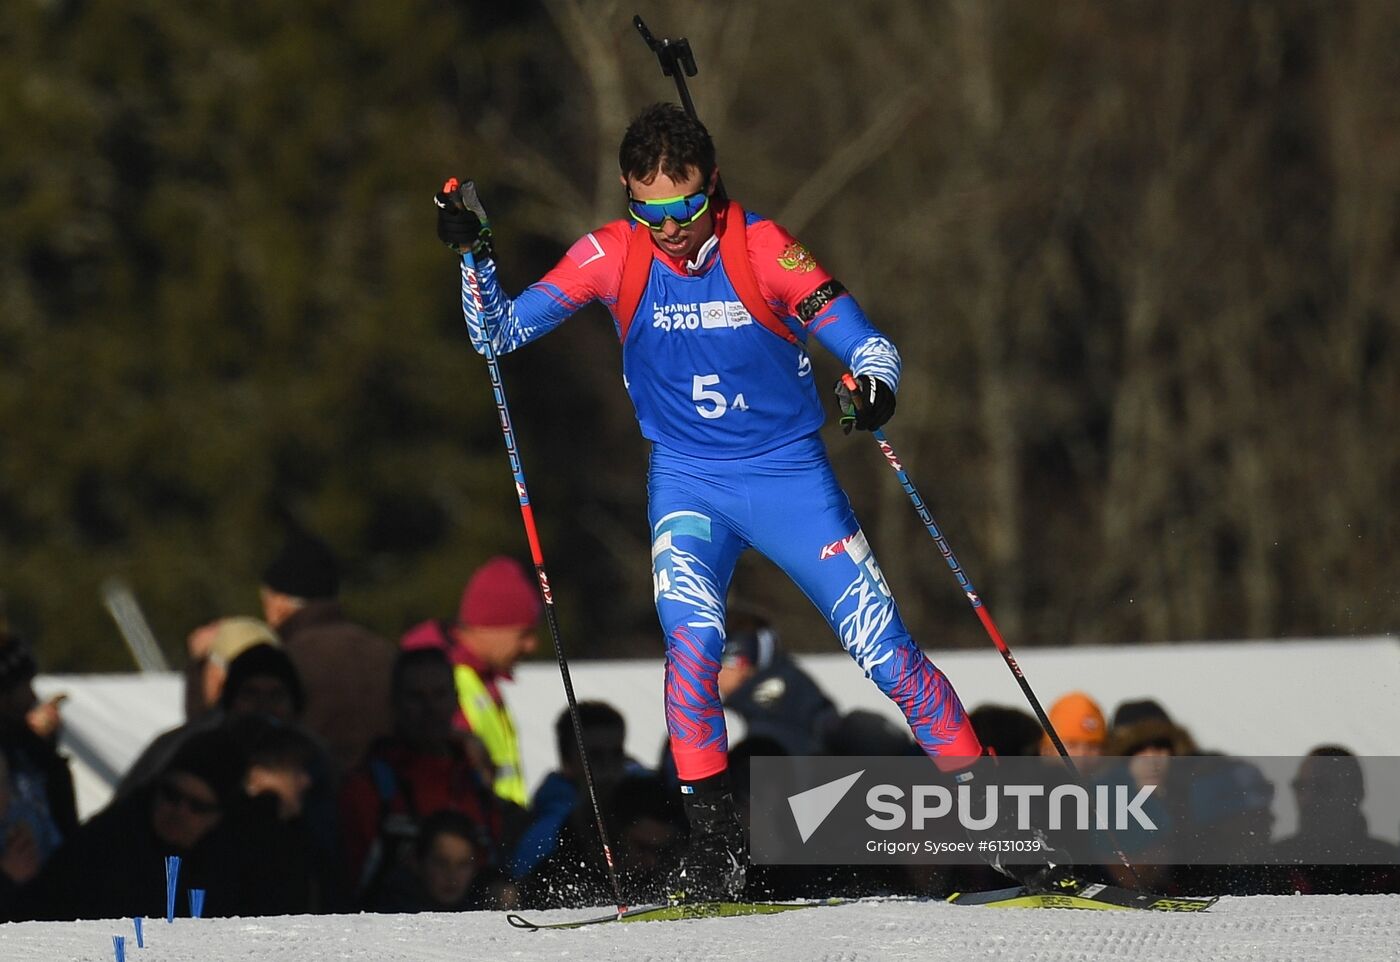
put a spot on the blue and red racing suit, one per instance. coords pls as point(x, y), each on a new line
point(732, 413)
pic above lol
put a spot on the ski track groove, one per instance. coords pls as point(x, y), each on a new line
point(1260, 929)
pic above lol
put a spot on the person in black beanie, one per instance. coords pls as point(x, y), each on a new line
point(261, 681)
point(264, 689)
point(344, 666)
point(304, 571)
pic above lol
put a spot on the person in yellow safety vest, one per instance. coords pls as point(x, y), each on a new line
point(497, 625)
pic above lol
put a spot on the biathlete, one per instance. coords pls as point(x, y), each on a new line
point(714, 307)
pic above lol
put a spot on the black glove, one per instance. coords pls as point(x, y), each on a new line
point(867, 408)
point(458, 227)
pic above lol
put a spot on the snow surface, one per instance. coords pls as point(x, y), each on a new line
point(1316, 928)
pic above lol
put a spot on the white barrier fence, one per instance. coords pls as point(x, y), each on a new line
point(1242, 698)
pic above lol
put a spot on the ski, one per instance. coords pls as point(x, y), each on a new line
point(1072, 893)
point(667, 912)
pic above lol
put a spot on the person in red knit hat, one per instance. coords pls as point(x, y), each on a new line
point(497, 625)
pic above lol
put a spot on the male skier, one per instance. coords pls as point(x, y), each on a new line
point(714, 307)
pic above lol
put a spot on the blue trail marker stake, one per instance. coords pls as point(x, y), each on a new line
point(119, 947)
point(196, 903)
point(140, 938)
point(172, 879)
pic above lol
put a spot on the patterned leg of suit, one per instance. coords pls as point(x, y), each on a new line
point(806, 526)
point(693, 558)
point(788, 505)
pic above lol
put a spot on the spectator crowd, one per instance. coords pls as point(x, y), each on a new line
point(322, 768)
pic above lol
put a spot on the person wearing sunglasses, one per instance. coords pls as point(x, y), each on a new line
point(114, 865)
point(715, 308)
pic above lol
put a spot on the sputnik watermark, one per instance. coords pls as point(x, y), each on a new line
point(1111, 806)
point(1182, 810)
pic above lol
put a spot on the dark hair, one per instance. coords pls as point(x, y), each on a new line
point(16, 661)
point(272, 744)
point(1007, 731)
point(862, 732)
point(263, 661)
point(742, 755)
point(664, 138)
point(216, 758)
point(1331, 751)
point(448, 822)
point(306, 568)
point(644, 796)
point(591, 715)
point(1342, 777)
point(412, 658)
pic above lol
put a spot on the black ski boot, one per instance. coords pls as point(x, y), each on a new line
point(1048, 866)
point(716, 860)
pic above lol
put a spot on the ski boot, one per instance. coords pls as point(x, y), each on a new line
point(715, 862)
point(1050, 867)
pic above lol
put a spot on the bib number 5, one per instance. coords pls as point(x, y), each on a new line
point(717, 403)
point(711, 404)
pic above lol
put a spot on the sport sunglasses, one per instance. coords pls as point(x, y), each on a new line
point(683, 210)
point(172, 794)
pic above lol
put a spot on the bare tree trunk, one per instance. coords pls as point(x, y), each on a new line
point(1000, 518)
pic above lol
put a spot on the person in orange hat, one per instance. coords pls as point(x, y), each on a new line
point(1079, 722)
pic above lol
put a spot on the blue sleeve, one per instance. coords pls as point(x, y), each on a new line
point(554, 803)
point(845, 331)
point(511, 322)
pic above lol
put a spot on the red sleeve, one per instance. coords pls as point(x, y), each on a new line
point(591, 269)
point(786, 271)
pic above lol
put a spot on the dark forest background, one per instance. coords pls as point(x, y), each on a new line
point(1142, 260)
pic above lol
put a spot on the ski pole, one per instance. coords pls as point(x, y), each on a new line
point(973, 598)
point(472, 307)
point(964, 582)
